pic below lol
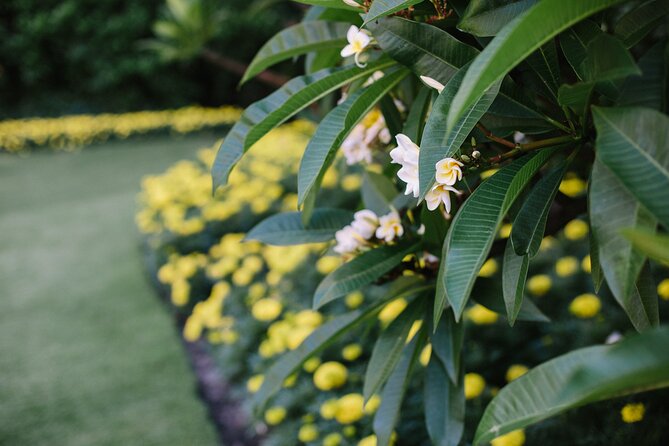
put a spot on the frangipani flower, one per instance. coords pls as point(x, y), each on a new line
point(348, 240)
point(358, 40)
point(449, 171)
point(440, 193)
point(406, 155)
point(353, 3)
point(432, 83)
point(390, 226)
point(365, 223)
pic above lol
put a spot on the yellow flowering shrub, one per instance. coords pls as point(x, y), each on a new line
point(70, 132)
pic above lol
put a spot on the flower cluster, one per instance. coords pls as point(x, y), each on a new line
point(70, 132)
point(366, 230)
point(370, 132)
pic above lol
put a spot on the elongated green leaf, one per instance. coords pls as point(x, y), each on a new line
point(336, 4)
point(296, 40)
point(488, 293)
point(262, 116)
point(425, 49)
point(646, 293)
point(639, 21)
point(333, 15)
point(447, 345)
point(444, 406)
point(287, 229)
point(476, 224)
point(378, 192)
point(580, 377)
point(486, 18)
point(608, 59)
point(388, 413)
point(381, 8)
point(514, 274)
point(649, 89)
point(613, 208)
point(360, 271)
point(388, 349)
point(438, 142)
point(576, 96)
point(544, 62)
point(335, 127)
point(632, 142)
point(530, 223)
point(517, 40)
point(413, 127)
point(654, 245)
point(595, 266)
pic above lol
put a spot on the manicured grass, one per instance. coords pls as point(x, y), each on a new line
point(88, 356)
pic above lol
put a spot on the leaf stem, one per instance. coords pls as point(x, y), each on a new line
point(488, 134)
point(523, 148)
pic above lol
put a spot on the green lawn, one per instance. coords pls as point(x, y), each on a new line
point(88, 356)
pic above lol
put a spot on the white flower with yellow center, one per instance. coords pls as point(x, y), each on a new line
point(365, 223)
point(440, 193)
point(390, 227)
point(406, 155)
point(354, 147)
point(348, 240)
point(449, 171)
point(432, 83)
point(358, 41)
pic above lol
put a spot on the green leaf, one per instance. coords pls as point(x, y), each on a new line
point(476, 224)
point(296, 40)
point(487, 293)
point(646, 293)
point(639, 21)
point(530, 223)
point(444, 405)
point(336, 4)
point(388, 348)
point(391, 114)
point(517, 40)
point(485, 18)
point(335, 127)
point(413, 127)
point(425, 49)
point(388, 413)
point(595, 266)
point(608, 59)
point(632, 142)
point(362, 270)
point(438, 142)
point(264, 115)
point(583, 376)
point(381, 8)
point(655, 246)
point(377, 192)
point(447, 345)
point(649, 89)
point(574, 44)
point(287, 229)
point(576, 96)
point(544, 62)
point(613, 208)
point(514, 274)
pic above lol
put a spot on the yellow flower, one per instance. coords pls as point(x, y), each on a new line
point(266, 309)
point(297, 335)
point(585, 306)
point(349, 431)
point(325, 265)
point(633, 413)
point(546, 243)
point(275, 415)
point(572, 187)
point(515, 372)
point(311, 364)
point(330, 375)
point(354, 300)
point(414, 329)
point(566, 266)
point(307, 433)
point(350, 408)
point(256, 291)
point(392, 310)
point(254, 383)
point(242, 277)
point(192, 329)
point(309, 318)
point(474, 385)
point(663, 289)
point(513, 438)
point(333, 439)
point(505, 231)
point(480, 315)
point(425, 355)
point(576, 230)
point(372, 404)
point(351, 352)
point(368, 441)
point(180, 292)
point(351, 182)
point(539, 285)
point(489, 268)
point(328, 409)
point(586, 265)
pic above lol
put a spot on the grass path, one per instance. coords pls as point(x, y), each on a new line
point(87, 354)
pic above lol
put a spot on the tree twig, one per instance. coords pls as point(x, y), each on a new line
point(234, 66)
